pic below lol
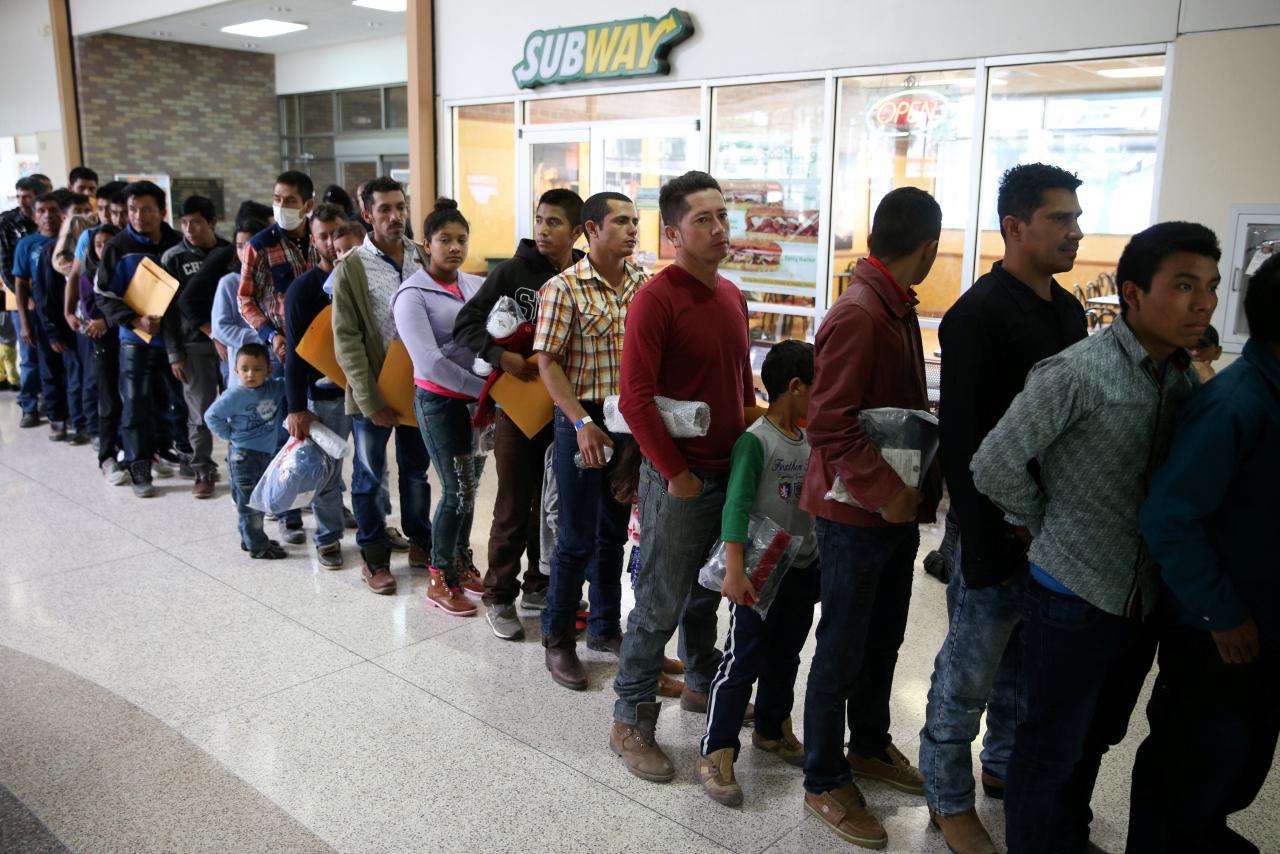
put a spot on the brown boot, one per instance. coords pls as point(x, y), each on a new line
point(992, 786)
point(669, 686)
point(672, 666)
point(419, 558)
point(377, 570)
point(845, 812)
point(897, 772)
point(697, 701)
point(964, 832)
point(638, 746)
point(565, 666)
point(448, 599)
point(788, 747)
point(716, 771)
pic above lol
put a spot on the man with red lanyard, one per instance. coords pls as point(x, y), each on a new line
point(868, 355)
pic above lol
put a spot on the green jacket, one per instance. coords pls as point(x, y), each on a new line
point(356, 343)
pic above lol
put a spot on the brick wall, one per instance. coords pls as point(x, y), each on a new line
point(181, 110)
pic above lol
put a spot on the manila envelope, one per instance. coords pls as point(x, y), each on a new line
point(149, 292)
point(528, 404)
point(316, 347)
point(395, 383)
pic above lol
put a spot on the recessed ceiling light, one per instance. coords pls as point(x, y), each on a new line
point(373, 25)
point(283, 10)
point(161, 34)
point(382, 5)
point(1133, 71)
point(264, 28)
point(249, 45)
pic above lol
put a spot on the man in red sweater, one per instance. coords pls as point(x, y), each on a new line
point(686, 339)
point(868, 355)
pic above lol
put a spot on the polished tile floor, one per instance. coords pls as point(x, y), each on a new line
point(162, 692)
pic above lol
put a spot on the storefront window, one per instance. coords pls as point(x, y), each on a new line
point(912, 130)
point(765, 144)
point(664, 103)
point(484, 148)
point(1099, 119)
point(361, 110)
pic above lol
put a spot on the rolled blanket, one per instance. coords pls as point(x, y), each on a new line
point(684, 419)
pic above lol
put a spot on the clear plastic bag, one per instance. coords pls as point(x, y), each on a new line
point(907, 439)
point(770, 551)
point(684, 419)
point(292, 478)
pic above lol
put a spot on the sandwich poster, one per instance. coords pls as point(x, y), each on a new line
point(774, 238)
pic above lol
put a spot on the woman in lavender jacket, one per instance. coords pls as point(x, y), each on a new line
point(425, 307)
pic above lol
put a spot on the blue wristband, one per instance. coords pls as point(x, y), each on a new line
point(578, 425)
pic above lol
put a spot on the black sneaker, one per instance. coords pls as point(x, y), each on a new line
point(58, 431)
point(398, 541)
point(292, 533)
point(80, 437)
point(140, 474)
point(271, 551)
point(29, 419)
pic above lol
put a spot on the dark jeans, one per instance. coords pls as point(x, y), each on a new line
point(198, 394)
point(106, 365)
point(445, 425)
point(866, 592)
point(368, 470)
point(1213, 737)
point(171, 428)
point(245, 468)
point(1082, 671)
point(978, 668)
point(678, 535)
point(88, 382)
point(53, 372)
point(764, 651)
point(28, 372)
point(591, 534)
point(518, 462)
point(143, 369)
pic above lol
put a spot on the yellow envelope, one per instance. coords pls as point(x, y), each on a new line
point(149, 292)
point(316, 347)
point(395, 383)
point(528, 404)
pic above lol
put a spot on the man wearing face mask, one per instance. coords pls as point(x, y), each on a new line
point(274, 258)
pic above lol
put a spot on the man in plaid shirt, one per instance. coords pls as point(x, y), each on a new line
point(579, 347)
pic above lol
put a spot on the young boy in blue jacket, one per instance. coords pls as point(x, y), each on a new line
point(249, 417)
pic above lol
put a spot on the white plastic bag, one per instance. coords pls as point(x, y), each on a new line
point(907, 439)
point(770, 551)
point(296, 473)
point(684, 419)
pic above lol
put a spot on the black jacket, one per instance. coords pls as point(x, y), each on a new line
point(183, 261)
point(120, 260)
point(195, 300)
point(990, 339)
point(520, 278)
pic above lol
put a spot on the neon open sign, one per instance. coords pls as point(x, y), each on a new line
point(909, 112)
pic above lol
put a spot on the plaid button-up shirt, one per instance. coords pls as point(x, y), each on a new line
point(272, 260)
point(581, 319)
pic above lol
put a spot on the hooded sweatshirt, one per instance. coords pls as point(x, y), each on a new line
point(120, 260)
point(425, 313)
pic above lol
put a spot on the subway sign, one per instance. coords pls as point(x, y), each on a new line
point(631, 48)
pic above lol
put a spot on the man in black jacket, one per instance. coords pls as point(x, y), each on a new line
point(1010, 319)
point(193, 360)
point(519, 459)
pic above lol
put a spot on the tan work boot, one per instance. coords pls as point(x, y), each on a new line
point(669, 686)
point(897, 773)
point(963, 832)
point(716, 772)
point(637, 745)
point(844, 811)
point(788, 748)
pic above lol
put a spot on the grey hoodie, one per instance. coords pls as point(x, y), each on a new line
point(425, 313)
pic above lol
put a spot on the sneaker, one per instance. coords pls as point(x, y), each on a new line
point(611, 645)
point(788, 747)
point(376, 573)
point(348, 518)
point(638, 746)
point(893, 769)
point(271, 551)
point(80, 437)
point(96, 442)
point(398, 541)
point(203, 487)
point(469, 579)
point(502, 618)
point(144, 489)
point(58, 431)
point(330, 555)
point(533, 600)
point(716, 772)
point(160, 468)
point(185, 469)
point(845, 811)
point(29, 419)
point(114, 473)
point(448, 599)
point(140, 475)
point(291, 532)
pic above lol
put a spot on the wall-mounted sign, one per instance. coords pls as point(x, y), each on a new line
point(909, 112)
point(630, 48)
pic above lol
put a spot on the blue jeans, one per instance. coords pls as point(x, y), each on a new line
point(88, 382)
point(445, 425)
point(591, 533)
point(74, 374)
point(678, 535)
point(977, 668)
point(866, 592)
point(765, 652)
point(369, 476)
point(1083, 671)
point(142, 389)
point(28, 372)
point(245, 468)
point(333, 414)
point(53, 372)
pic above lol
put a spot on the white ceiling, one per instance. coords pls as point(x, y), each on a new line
point(329, 22)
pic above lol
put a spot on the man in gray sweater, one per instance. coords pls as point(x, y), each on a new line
point(1097, 419)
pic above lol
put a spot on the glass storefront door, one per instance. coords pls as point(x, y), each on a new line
point(551, 159)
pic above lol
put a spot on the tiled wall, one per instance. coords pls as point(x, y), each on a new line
point(181, 110)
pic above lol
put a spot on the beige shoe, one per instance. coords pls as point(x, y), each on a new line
point(844, 811)
point(716, 772)
point(788, 748)
point(897, 773)
point(963, 832)
point(637, 745)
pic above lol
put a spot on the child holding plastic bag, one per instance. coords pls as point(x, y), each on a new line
point(767, 471)
point(249, 416)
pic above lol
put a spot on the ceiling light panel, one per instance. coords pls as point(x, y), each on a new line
point(1133, 71)
point(382, 5)
point(264, 28)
